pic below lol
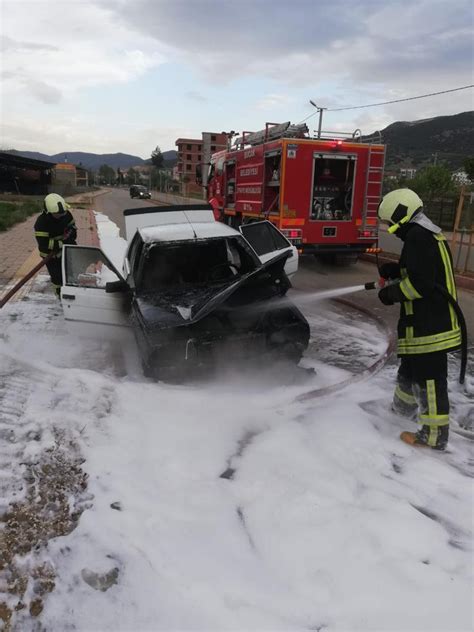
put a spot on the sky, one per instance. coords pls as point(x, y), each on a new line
point(126, 75)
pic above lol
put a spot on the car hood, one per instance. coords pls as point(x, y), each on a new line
point(185, 305)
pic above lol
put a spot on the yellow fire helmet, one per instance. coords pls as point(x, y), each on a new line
point(54, 203)
point(399, 207)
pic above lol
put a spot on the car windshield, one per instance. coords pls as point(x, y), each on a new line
point(201, 261)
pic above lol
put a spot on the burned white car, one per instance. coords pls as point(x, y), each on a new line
point(194, 290)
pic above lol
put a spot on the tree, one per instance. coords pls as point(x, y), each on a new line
point(133, 177)
point(106, 174)
point(433, 181)
point(469, 167)
point(161, 179)
point(157, 158)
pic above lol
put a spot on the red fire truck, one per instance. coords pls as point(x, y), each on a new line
point(321, 193)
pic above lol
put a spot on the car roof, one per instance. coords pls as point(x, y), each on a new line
point(158, 216)
point(188, 231)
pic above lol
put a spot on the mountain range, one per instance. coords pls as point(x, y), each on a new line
point(442, 139)
point(94, 161)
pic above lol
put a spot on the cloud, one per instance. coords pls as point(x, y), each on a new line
point(353, 41)
point(65, 132)
point(8, 44)
point(268, 56)
point(273, 101)
point(196, 96)
point(67, 47)
point(44, 92)
point(366, 51)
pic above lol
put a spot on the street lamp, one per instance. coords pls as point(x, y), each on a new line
point(320, 110)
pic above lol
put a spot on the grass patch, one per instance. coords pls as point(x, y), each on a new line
point(12, 213)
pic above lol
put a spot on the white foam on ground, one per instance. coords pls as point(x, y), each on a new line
point(325, 524)
point(111, 243)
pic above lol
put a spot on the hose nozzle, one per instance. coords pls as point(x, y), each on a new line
point(377, 285)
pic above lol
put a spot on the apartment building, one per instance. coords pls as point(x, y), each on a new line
point(197, 151)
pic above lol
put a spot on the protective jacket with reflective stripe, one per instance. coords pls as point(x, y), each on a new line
point(427, 322)
point(50, 231)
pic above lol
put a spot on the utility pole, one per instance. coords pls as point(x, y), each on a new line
point(320, 110)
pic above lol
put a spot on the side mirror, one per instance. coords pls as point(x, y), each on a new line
point(116, 286)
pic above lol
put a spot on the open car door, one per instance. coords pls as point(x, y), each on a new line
point(268, 241)
point(94, 296)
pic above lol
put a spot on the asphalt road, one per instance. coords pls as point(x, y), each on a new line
point(312, 274)
point(115, 202)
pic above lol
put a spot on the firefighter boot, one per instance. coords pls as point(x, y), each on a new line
point(435, 437)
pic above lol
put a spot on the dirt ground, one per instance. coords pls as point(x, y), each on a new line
point(46, 512)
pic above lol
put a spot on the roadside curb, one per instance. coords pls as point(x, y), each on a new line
point(93, 233)
point(463, 281)
point(85, 198)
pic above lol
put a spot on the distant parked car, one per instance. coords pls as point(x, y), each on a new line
point(139, 191)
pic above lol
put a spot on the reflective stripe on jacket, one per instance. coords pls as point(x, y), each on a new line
point(49, 233)
point(428, 322)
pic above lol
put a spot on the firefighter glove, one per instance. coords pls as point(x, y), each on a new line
point(390, 270)
point(391, 294)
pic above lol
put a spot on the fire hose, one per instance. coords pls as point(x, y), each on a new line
point(26, 278)
point(29, 275)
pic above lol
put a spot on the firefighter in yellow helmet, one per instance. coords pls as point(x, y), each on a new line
point(53, 228)
point(428, 327)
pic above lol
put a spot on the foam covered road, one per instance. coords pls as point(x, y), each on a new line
point(323, 518)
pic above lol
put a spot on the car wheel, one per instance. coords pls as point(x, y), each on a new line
point(287, 334)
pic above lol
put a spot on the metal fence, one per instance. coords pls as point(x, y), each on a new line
point(462, 239)
point(442, 211)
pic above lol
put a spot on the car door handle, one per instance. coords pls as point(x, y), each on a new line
point(69, 297)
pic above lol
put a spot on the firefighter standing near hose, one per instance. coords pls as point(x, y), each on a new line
point(53, 228)
point(428, 326)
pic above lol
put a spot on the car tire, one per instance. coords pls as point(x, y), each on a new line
point(287, 335)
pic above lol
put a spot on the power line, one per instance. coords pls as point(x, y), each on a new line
point(422, 96)
point(370, 105)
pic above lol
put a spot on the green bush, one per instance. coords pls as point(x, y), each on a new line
point(12, 213)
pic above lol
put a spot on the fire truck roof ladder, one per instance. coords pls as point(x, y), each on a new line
point(272, 131)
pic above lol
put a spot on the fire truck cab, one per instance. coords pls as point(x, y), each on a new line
point(322, 193)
